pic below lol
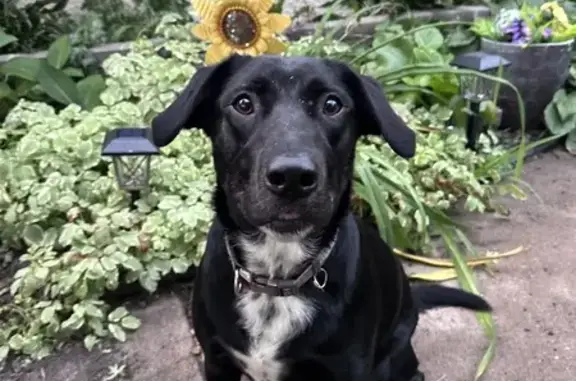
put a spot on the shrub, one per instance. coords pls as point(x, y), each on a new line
point(59, 202)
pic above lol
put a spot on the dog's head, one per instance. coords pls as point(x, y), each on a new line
point(283, 132)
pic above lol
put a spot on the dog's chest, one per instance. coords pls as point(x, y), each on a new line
point(270, 321)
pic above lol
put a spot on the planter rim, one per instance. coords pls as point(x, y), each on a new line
point(537, 45)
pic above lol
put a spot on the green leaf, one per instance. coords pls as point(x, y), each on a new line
point(426, 55)
point(73, 323)
point(41, 273)
point(571, 140)
point(48, 315)
point(430, 38)
point(460, 37)
point(59, 52)
point(149, 280)
point(93, 311)
point(393, 58)
point(131, 263)
point(33, 234)
point(170, 202)
point(22, 67)
point(108, 263)
point(117, 314)
point(90, 342)
point(58, 85)
point(6, 92)
point(70, 232)
point(180, 265)
point(117, 332)
point(73, 72)
point(130, 322)
point(554, 122)
point(16, 342)
point(4, 350)
point(6, 39)
point(90, 89)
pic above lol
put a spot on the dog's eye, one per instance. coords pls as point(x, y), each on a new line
point(243, 105)
point(332, 106)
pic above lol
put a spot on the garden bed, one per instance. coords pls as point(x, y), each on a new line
point(365, 27)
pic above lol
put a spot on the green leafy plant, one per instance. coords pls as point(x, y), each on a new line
point(6, 39)
point(560, 117)
point(48, 79)
point(107, 21)
point(36, 24)
point(527, 24)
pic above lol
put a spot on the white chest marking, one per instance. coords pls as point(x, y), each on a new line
point(271, 321)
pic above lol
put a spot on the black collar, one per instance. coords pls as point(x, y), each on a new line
point(244, 279)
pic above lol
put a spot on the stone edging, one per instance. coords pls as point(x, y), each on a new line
point(368, 24)
point(365, 27)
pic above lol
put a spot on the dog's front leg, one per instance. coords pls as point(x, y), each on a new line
point(218, 366)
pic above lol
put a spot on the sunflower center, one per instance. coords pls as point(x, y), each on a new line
point(239, 27)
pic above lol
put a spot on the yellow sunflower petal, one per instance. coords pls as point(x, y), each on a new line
point(202, 32)
point(261, 46)
point(251, 51)
point(216, 53)
point(265, 33)
point(278, 22)
point(275, 46)
point(261, 5)
point(203, 8)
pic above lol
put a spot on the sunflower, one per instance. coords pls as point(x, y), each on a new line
point(239, 26)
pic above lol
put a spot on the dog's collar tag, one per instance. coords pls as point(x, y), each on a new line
point(237, 282)
point(321, 278)
point(245, 280)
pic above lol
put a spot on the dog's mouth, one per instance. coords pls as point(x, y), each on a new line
point(288, 223)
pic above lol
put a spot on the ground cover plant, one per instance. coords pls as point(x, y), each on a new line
point(61, 207)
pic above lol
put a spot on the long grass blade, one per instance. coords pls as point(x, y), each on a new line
point(439, 262)
point(467, 282)
point(382, 212)
point(402, 88)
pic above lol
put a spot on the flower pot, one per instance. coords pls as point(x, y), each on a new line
point(537, 70)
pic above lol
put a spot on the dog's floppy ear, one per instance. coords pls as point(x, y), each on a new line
point(194, 106)
point(379, 118)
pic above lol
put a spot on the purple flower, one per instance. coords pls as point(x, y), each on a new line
point(517, 32)
point(547, 33)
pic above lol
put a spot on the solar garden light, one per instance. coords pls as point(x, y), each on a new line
point(131, 150)
point(475, 89)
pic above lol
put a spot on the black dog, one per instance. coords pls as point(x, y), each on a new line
point(292, 287)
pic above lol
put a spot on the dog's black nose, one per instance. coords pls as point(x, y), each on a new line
point(294, 176)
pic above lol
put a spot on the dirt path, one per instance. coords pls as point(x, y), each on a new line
point(532, 293)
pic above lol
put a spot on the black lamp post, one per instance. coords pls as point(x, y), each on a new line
point(475, 89)
point(131, 150)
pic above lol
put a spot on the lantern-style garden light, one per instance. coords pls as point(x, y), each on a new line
point(131, 150)
point(476, 89)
